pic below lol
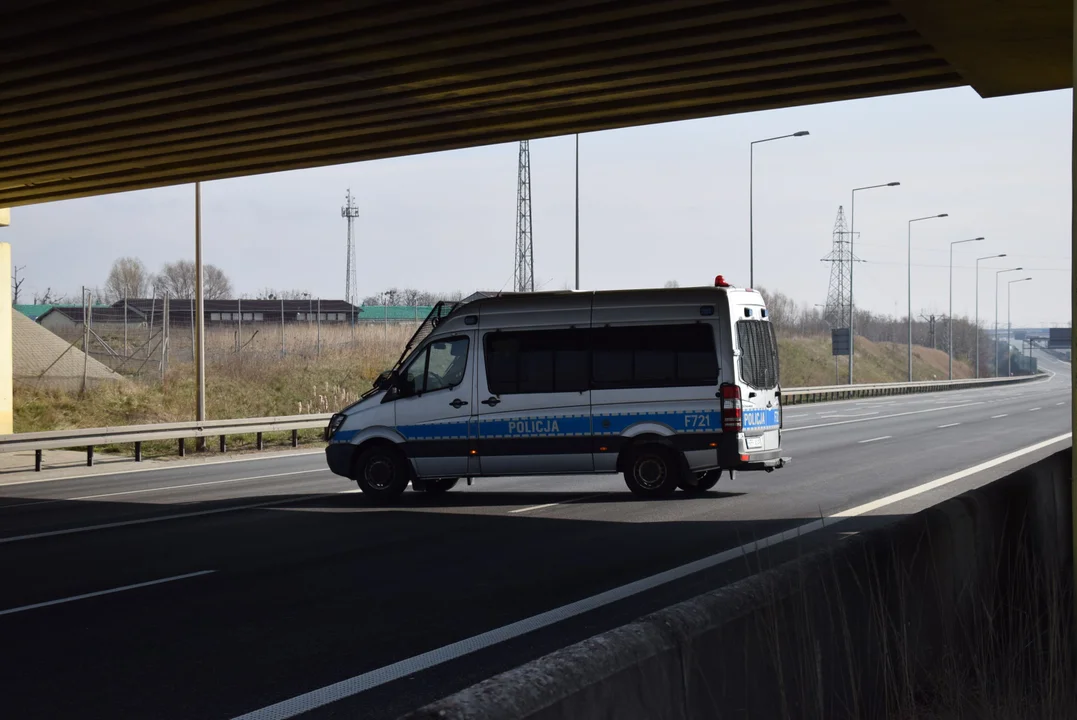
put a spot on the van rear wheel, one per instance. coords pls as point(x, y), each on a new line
point(652, 472)
point(700, 482)
point(382, 473)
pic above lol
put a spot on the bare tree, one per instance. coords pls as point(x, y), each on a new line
point(16, 284)
point(410, 297)
point(271, 294)
point(672, 284)
point(177, 280)
point(127, 278)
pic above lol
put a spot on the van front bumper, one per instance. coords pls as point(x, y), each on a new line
point(340, 457)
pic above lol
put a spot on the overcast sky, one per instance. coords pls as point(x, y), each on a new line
point(658, 203)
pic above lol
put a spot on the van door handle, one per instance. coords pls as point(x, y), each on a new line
point(491, 401)
point(458, 403)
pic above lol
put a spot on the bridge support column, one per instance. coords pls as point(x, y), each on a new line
point(1073, 292)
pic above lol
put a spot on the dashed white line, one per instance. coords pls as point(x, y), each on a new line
point(883, 417)
point(884, 437)
point(176, 516)
point(1035, 409)
point(1061, 403)
point(996, 417)
point(550, 505)
point(105, 592)
point(948, 425)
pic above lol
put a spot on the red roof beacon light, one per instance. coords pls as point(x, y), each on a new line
point(719, 281)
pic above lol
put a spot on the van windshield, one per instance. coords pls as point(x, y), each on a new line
point(758, 354)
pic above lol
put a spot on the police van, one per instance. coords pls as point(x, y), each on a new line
point(669, 387)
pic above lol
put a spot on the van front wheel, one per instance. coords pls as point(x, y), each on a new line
point(382, 473)
point(652, 472)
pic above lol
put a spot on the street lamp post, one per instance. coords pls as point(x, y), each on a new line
point(951, 319)
point(1009, 355)
point(577, 211)
point(751, 198)
point(909, 251)
point(852, 263)
point(985, 257)
point(996, 313)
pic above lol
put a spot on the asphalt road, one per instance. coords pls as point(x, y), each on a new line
point(219, 590)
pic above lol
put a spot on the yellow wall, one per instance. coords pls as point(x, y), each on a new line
point(5, 217)
point(5, 340)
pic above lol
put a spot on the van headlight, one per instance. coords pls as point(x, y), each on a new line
point(334, 424)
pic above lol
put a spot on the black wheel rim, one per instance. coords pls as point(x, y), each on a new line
point(650, 472)
point(379, 472)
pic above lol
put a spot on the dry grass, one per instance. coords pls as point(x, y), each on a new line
point(315, 378)
point(807, 362)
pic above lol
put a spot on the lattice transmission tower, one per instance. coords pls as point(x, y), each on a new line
point(350, 211)
point(838, 297)
point(525, 258)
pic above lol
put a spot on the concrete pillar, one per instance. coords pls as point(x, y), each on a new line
point(6, 422)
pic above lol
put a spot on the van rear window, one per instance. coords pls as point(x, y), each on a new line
point(758, 353)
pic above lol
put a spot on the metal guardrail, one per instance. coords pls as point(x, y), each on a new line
point(800, 396)
point(138, 434)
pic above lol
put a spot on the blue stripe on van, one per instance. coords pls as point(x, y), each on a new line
point(761, 419)
point(680, 422)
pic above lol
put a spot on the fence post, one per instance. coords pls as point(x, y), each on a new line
point(138, 452)
point(89, 456)
point(224, 444)
point(182, 447)
point(125, 323)
point(295, 438)
point(239, 337)
point(37, 461)
point(261, 444)
point(318, 345)
point(282, 327)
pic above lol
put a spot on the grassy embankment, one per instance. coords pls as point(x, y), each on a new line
point(259, 382)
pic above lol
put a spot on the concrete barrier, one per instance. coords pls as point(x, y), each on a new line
point(879, 625)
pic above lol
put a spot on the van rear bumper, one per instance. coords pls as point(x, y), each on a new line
point(340, 457)
point(732, 457)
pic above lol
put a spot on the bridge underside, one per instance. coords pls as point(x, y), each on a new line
point(99, 97)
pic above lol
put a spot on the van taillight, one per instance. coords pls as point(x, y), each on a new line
point(731, 408)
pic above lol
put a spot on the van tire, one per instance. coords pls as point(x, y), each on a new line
point(440, 486)
point(382, 473)
point(701, 482)
point(652, 471)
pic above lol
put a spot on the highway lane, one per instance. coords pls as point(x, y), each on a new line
point(320, 587)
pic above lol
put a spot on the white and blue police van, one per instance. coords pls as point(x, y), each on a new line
point(669, 387)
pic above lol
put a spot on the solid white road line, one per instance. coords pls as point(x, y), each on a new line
point(884, 437)
point(550, 505)
point(941, 427)
point(105, 592)
point(360, 683)
point(882, 417)
point(163, 466)
point(164, 518)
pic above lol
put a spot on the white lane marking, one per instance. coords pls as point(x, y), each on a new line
point(833, 414)
point(882, 417)
point(884, 437)
point(158, 489)
point(1057, 404)
point(166, 465)
point(163, 518)
point(1035, 409)
point(947, 425)
point(550, 505)
point(996, 417)
point(73, 598)
point(353, 686)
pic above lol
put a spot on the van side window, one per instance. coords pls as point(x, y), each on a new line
point(654, 356)
point(441, 365)
point(758, 354)
point(537, 361)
